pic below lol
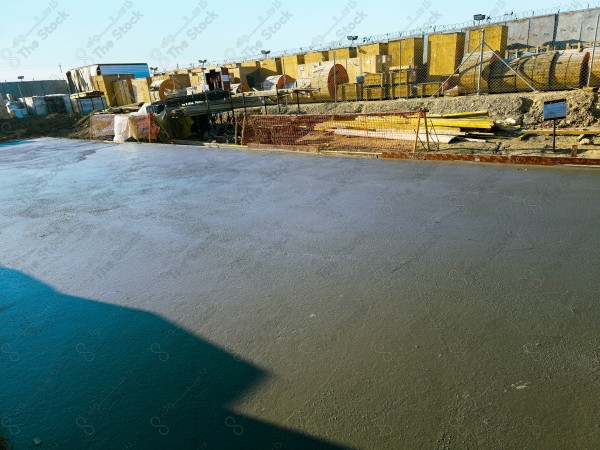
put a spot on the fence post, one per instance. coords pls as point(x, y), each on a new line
point(480, 61)
point(417, 132)
point(593, 51)
point(334, 79)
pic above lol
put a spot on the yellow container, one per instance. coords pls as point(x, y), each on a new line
point(374, 93)
point(341, 53)
point(350, 92)
point(406, 52)
point(105, 83)
point(315, 57)
point(444, 53)
point(290, 63)
point(271, 65)
point(369, 50)
point(428, 89)
point(401, 91)
point(362, 65)
point(496, 36)
point(123, 92)
point(141, 89)
point(182, 79)
point(375, 79)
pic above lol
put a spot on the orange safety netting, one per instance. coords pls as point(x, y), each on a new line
point(382, 131)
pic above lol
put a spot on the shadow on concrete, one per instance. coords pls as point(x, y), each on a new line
point(78, 373)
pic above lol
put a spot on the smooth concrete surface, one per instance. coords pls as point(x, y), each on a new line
point(166, 297)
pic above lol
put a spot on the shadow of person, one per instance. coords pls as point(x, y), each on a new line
point(82, 374)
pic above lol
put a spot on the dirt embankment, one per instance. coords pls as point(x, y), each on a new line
point(526, 109)
point(53, 125)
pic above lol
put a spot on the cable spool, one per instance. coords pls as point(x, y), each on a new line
point(469, 72)
point(324, 79)
point(594, 67)
point(276, 81)
point(161, 89)
point(570, 70)
point(536, 69)
point(238, 88)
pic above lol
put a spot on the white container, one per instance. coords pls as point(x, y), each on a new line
point(85, 106)
point(36, 106)
point(17, 109)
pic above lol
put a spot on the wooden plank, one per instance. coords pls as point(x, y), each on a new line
point(394, 135)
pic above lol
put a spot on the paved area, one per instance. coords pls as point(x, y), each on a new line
point(158, 296)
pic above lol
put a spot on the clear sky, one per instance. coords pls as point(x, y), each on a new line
point(39, 35)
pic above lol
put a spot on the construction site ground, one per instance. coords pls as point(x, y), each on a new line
point(524, 109)
point(159, 296)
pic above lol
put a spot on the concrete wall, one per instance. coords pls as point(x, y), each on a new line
point(553, 29)
point(33, 88)
point(576, 26)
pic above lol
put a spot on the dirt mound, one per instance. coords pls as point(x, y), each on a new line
point(53, 125)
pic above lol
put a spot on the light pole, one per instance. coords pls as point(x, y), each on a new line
point(480, 18)
point(352, 39)
point(265, 54)
point(20, 77)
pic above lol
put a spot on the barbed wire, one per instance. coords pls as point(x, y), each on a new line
point(417, 32)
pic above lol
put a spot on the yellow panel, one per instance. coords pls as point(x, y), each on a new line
point(374, 93)
point(342, 53)
point(375, 79)
point(104, 83)
point(372, 50)
point(182, 79)
point(362, 65)
point(496, 36)
point(350, 92)
point(406, 52)
point(428, 89)
point(444, 53)
point(315, 57)
point(401, 91)
point(290, 63)
point(123, 92)
point(272, 65)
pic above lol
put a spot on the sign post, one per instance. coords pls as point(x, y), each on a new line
point(555, 110)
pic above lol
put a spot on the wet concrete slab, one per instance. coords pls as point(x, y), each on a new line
point(157, 296)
